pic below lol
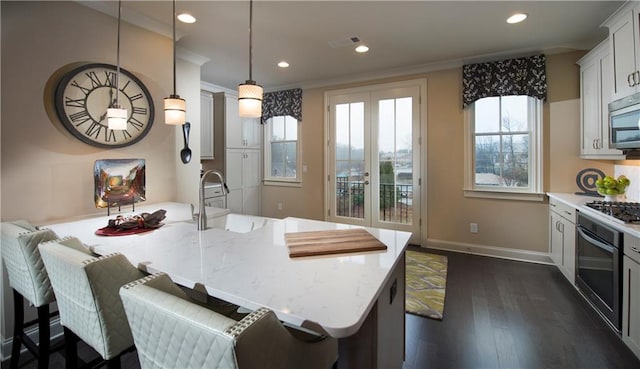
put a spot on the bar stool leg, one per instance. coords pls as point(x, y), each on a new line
point(18, 314)
point(70, 349)
point(44, 337)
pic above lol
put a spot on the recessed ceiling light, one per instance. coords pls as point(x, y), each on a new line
point(362, 49)
point(283, 64)
point(516, 18)
point(186, 18)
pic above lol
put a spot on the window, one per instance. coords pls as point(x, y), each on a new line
point(504, 153)
point(282, 151)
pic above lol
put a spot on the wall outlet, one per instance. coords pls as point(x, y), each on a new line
point(279, 206)
point(473, 228)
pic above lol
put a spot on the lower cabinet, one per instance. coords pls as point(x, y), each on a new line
point(562, 238)
point(631, 303)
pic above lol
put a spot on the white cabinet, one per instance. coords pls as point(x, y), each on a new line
point(244, 133)
point(631, 295)
point(595, 94)
point(562, 237)
point(206, 126)
point(244, 180)
point(625, 48)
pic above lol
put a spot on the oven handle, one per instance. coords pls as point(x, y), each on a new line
point(595, 242)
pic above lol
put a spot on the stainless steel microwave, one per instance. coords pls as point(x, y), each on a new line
point(624, 122)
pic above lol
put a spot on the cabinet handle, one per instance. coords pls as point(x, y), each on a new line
point(568, 212)
point(561, 226)
point(636, 78)
point(635, 248)
point(631, 79)
point(593, 144)
point(552, 204)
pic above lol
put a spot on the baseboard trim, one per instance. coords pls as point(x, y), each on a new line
point(492, 251)
point(54, 326)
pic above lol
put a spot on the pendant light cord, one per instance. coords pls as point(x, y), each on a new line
point(118, 57)
point(174, 47)
point(250, 40)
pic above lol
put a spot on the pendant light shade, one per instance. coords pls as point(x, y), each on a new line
point(250, 100)
point(175, 110)
point(175, 107)
point(117, 116)
point(250, 93)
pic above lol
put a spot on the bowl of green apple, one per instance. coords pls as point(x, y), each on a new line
point(611, 188)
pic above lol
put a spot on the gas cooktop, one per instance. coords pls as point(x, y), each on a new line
point(628, 212)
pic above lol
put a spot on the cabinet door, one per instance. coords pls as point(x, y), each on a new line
point(556, 239)
point(234, 159)
point(590, 102)
point(251, 133)
point(251, 174)
point(232, 123)
point(234, 200)
point(206, 125)
point(631, 305)
point(623, 51)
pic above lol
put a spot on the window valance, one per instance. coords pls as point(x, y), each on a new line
point(282, 103)
point(521, 76)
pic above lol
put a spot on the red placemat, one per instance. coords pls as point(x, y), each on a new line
point(110, 231)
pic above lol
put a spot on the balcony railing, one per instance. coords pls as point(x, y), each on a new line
point(396, 201)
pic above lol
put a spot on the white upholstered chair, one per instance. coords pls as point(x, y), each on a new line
point(90, 308)
point(172, 332)
point(29, 281)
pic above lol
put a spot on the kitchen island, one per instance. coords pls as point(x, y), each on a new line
point(357, 297)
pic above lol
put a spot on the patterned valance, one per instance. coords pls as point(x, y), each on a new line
point(282, 103)
point(522, 76)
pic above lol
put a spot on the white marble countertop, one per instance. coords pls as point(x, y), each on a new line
point(578, 202)
point(253, 269)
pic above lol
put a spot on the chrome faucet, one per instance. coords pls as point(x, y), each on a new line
point(202, 214)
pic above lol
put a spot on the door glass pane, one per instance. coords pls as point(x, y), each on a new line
point(395, 160)
point(350, 164)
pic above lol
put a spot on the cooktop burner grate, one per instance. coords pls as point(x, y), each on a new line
point(628, 212)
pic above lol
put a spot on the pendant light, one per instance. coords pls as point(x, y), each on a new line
point(117, 116)
point(250, 93)
point(175, 107)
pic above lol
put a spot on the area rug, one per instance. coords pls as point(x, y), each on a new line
point(426, 283)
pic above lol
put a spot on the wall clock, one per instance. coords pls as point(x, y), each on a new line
point(83, 96)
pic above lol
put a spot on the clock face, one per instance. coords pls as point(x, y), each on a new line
point(83, 96)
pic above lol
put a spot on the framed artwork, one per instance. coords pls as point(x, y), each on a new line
point(119, 182)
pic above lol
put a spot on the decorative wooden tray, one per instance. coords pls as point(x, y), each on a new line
point(331, 242)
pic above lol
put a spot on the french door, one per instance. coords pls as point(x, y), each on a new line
point(373, 160)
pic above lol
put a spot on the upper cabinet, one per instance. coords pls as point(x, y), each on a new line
point(206, 126)
point(595, 91)
point(245, 133)
point(624, 46)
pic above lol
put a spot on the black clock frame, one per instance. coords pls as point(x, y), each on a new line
point(59, 104)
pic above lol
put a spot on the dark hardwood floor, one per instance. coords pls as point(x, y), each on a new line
point(498, 314)
point(508, 314)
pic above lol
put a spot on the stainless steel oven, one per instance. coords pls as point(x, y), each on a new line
point(598, 267)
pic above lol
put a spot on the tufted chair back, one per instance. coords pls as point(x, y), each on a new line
point(26, 271)
point(87, 294)
point(172, 332)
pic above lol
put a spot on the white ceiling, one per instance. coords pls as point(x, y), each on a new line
point(403, 36)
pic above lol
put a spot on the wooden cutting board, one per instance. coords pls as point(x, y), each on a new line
point(331, 242)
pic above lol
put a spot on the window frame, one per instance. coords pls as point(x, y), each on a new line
point(268, 179)
point(535, 128)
